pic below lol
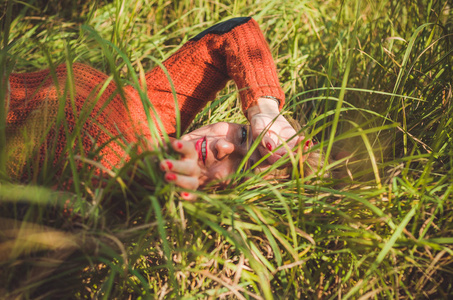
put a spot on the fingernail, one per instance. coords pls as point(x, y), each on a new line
point(269, 146)
point(307, 144)
point(170, 176)
point(185, 194)
point(179, 145)
point(166, 165)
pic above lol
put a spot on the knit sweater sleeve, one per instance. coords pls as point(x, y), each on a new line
point(235, 49)
point(46, 119)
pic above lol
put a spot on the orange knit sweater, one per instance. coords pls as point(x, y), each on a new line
point(108, 118)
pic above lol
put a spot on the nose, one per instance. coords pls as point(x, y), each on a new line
point(223, 148)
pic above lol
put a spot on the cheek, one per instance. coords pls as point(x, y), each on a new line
point(220, 171)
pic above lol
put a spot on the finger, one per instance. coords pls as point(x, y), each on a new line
point(186, 182)
point(307, 145)
point(302, 142)
point(186, 148)
point(184, 166)
point(188, 196)
point(299, 140)
point(265, 148)
point(268, 146)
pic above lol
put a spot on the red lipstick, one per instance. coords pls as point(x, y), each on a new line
point(201, 147)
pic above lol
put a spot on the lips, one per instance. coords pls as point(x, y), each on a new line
point(202, 149)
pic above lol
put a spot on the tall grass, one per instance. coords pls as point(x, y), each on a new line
point(370, 78)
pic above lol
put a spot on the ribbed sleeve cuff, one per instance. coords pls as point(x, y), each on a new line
point(250, 95)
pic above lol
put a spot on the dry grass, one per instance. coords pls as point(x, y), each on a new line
point(373, 78)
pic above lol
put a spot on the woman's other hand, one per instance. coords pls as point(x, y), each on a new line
point(263, 114)
point(184, 172)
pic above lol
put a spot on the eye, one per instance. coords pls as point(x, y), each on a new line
point(244, 139)
point(243, 134)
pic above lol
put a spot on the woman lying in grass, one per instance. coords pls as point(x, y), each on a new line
point(110, 118)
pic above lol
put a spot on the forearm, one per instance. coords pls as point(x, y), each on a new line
point(251, 65)
point(235, 49)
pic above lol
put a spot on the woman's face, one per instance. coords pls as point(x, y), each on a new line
point(221, 148)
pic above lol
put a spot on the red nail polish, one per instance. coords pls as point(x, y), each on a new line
point(169, 165)
point(179, 145)
point(307, 144)
point(185, 194)
point(170, 176)
point(269, 146)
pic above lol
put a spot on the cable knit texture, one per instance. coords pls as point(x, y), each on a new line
point(46, 107)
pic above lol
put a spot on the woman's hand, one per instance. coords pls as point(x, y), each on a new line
point(184, 172)
point(260, 116)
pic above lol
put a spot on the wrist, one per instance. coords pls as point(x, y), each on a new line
point(265, 104)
